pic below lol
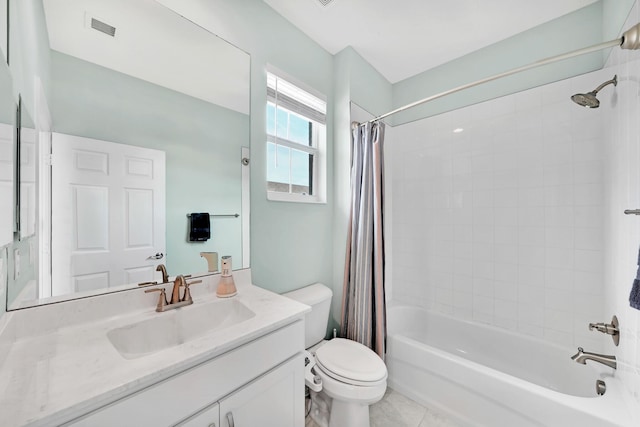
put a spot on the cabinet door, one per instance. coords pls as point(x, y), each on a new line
point(208, 417)
point(275, 399)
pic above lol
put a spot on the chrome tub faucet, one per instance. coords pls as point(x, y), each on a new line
point(582, 357)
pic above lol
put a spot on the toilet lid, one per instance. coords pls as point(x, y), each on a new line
point(351, 362)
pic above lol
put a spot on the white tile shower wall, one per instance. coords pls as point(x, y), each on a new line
point(502, 223)
point(622, 191)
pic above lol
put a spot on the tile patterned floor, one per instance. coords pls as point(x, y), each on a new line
point(396, 410)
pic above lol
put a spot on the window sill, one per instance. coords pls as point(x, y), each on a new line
point(294, 198)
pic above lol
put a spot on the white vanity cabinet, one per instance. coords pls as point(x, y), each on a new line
point(273, 400)
point(208, 417)
point(259, 383)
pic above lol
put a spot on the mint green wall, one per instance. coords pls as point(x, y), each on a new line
point(202, 142)
point(614, 14)
point(570, 32)
point(28, 49)
point(291, 243)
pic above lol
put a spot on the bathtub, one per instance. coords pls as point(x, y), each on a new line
point(485, 376)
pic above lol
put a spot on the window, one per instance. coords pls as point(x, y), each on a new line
point(296, 141)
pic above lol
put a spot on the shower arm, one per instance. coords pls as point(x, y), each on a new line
point(613, 81)
point(630, 40)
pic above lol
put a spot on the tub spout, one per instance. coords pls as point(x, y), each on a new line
point(582, 357)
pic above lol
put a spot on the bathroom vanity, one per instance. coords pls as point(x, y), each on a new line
point(100, 362)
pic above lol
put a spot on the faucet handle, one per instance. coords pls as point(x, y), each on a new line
point(148, 283)
point(187, 293)
point(612, 329)
point(162, 300)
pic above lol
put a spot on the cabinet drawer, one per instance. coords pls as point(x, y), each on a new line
point(209, 417)
point(175, 398)
point(273, 400)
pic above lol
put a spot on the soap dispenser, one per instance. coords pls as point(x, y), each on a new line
point(212, 260)
point(226, 286)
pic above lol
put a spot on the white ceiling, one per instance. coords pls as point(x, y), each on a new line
point(154, 44)
point(402, 38)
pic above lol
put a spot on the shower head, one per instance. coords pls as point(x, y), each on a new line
point(589, 99)
point(586, 99)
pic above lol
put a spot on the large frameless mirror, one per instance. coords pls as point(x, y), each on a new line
point(7, 156)
point(149, 116)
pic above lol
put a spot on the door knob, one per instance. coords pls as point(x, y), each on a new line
point(158, 255)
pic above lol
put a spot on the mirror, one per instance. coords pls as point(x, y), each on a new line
point(4, 29)
point(7, 156)
point(124, 81)
point(8, 111)
point(23, 252)
point(27, 178)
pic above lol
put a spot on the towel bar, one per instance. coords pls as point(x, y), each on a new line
point(221, 215)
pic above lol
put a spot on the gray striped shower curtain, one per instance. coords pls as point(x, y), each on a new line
point(363, 298)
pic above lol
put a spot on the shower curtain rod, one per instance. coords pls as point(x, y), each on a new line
point(629, 40)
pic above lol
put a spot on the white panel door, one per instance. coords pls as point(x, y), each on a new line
point(108, 213)
point(275, 399)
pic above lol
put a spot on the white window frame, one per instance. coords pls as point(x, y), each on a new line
point(318, 149)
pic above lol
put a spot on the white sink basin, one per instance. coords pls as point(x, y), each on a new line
point(175, 327)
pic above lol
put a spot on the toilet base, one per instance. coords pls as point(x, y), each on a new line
point(320, 408)
point(348, 414)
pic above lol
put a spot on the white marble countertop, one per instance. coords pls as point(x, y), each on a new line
point(67, 367)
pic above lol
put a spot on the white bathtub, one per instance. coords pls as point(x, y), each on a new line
point(485, 376)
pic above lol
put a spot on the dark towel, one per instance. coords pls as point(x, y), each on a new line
point(634, 298)
point(200, 228)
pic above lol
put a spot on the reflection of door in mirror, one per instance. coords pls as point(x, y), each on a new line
point(108, 214)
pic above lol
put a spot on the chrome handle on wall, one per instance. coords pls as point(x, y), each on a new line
point(612, 329)
point(632, 212)
point(230, 419)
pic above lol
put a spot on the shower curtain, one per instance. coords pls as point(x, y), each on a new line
point(363, 297)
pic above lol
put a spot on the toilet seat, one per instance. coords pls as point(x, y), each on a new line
point(351, 363)
point(360, 395)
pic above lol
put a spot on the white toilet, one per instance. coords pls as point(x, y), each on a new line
point(350, 373)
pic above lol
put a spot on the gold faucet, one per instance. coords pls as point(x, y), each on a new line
point(163, 269)
point(175, 293)
point(176, 301)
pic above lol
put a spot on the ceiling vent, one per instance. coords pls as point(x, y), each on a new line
point(325, 2)
point(103, 27)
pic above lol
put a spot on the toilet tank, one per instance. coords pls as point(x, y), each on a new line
point(318, 296)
